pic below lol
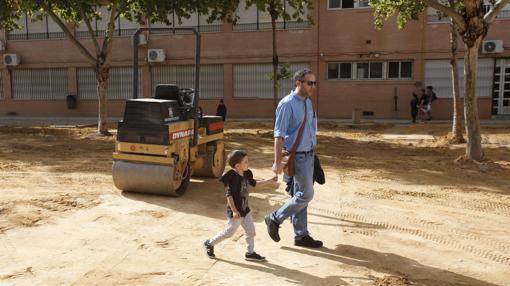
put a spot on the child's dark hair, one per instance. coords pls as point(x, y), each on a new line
point(235, 157)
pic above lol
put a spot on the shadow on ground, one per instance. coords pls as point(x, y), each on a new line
point(392, 264)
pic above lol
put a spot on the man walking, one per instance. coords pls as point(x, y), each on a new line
point(290, 114)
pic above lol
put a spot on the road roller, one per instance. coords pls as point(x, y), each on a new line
point(164, 140)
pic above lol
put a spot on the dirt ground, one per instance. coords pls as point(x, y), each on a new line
point(395, 210)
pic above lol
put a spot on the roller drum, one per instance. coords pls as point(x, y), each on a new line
point(211, 168)
point(145, 178)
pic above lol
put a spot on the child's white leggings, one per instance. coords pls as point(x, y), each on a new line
point(232, 225)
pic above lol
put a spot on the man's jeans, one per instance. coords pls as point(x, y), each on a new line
point(303, 193)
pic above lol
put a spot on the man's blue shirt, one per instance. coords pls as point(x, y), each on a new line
point(289, 116)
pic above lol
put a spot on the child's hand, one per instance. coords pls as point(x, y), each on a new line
point(274, 179)
point(237, 215)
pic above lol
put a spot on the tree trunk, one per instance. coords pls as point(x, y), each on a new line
point(457, 111)
point(474, 143)
point(102, 91)
point(275, 69)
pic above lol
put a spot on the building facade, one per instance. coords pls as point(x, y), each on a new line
point(356, 65)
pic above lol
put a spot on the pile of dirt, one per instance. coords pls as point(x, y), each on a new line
point(35, 211)
point(391, 281)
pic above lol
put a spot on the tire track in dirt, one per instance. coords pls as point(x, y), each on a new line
point(499, 246)
point(445, 200)
point(487, 254)
point(383, 194)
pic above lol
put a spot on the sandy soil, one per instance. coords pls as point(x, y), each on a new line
point(395, 210)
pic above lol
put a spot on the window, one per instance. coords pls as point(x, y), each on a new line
point(346, 4)
point(400, 70)
point(438, 73)
point(120, 83)
point(376, 70)
point(393, 69)
point(362, 70)
point(43, 27)
point(333, 71)
point(340, 71)
point(251, 80)
point(39, 84)
point(433, 16)
point(211, 78)
point(253, 20)
point(503, 14)
point(198, 21)
point(371, 70)
point(345, 71)
point(36, 27)
point(406, 69)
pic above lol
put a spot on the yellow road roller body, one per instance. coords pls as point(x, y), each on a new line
point(154, 151)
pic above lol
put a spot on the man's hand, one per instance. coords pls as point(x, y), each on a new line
point(237, 215)
point(277, 168)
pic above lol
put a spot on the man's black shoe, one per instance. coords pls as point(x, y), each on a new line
point(308, 241)
point(272, 228)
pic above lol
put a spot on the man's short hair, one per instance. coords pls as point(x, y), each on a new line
point(430, 87)
point(300, 74)
point(235, 157)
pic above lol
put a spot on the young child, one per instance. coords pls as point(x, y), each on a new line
point(238, 181)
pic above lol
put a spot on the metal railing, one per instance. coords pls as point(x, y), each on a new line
point(267, 26)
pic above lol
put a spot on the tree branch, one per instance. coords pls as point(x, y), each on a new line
point(449, 11)
point(70, 35)
point(491, 16)
point(91, 31)
point(107, 43)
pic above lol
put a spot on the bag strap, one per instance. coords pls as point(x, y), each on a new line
point(300, 133)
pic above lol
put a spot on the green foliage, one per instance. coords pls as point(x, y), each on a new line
point(75, 11)
point(283, 72)
point(276, 8)
point(406, 10)
point(226, 9)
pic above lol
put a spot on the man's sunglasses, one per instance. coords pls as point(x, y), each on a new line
point(310, 83)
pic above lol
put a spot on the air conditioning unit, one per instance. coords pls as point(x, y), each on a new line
point(156, 55)
point(11, 59)
point(492, 47)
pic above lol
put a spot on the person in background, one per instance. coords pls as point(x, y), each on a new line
point(221, 110)
point(414, 106)
point(423, 105)
point(432, 97)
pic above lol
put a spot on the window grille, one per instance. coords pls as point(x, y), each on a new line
point(438, 74)
point(211, 78)
point(39, 84)
point(120, 83)
point(252, 80)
